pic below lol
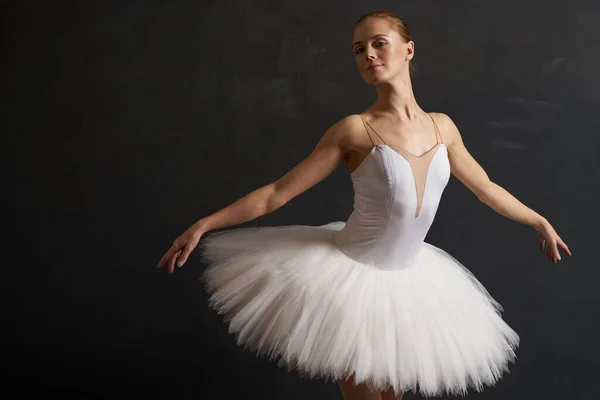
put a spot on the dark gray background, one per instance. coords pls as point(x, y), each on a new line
point(124, 122)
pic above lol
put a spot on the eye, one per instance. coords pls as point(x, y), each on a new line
point(380, 42)
point(357, 50)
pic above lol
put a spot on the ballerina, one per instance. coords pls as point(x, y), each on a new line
point(367, 302)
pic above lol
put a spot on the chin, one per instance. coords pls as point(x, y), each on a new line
point(375, 80)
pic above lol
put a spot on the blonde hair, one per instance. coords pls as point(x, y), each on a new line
point(398, 24)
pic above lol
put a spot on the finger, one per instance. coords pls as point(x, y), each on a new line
point(184, 255)
point(172, 261)
point(164, 258)
point(564, 246)
point(168, 254)
point(552, 250)
point(549, 254)
point(555, 252)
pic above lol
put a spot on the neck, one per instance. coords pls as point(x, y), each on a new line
point(397, 98)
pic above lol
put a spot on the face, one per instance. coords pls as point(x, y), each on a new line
point(381, 53)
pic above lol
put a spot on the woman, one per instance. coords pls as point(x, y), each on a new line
point(367, 302)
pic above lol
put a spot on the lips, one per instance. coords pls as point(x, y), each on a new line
point(372, 67)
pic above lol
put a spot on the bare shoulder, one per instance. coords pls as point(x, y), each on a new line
point(348, 132)
point(448, 130)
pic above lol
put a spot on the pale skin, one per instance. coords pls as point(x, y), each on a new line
point(397, 117)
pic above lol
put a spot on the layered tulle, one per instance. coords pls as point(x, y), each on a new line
point(289, 293)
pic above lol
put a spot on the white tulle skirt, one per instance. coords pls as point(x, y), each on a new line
point(289, 293)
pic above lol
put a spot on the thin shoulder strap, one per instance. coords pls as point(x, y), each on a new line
point(373, 130)
point(438, 136)
point(366, 129)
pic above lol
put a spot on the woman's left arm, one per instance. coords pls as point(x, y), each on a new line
point(471, 174)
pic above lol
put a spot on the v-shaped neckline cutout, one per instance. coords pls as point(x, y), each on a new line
point(419, 164)
point(420, 181)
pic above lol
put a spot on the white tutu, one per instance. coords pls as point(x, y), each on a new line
point(288, 292)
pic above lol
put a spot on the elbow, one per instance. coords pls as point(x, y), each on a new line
point(274, 200)
point(482, 197)
point(486, 193)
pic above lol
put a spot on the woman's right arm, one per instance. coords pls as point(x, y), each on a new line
point(321, 162)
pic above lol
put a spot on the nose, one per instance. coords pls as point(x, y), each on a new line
point(370, 53)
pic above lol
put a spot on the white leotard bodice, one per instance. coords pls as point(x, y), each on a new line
point(396, 197)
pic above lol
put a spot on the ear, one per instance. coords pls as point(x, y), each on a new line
point(410, 50)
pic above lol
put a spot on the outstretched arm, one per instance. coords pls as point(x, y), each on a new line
point(321, 162)
point(473, 176)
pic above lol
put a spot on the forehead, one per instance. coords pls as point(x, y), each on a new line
point(371, 27)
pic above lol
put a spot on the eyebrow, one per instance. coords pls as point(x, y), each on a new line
point(372, 37)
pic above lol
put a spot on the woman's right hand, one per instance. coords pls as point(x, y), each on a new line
point(182, 247)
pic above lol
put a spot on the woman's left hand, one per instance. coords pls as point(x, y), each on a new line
point(550, 241)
